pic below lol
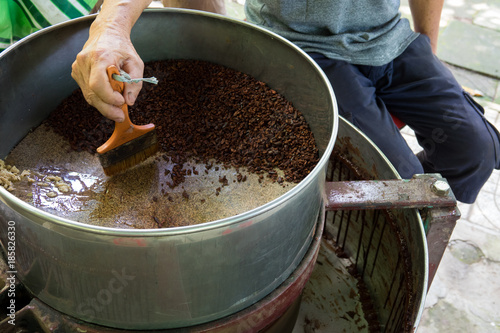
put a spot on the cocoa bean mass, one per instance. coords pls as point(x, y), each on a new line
point(206, 112)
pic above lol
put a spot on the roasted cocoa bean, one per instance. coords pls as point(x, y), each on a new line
point(208, 112)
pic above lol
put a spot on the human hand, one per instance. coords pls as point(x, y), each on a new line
point(107, 45)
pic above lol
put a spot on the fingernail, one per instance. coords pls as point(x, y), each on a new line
point(119, 117)
point(131, 98)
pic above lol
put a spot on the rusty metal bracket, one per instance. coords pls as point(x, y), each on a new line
point(422, 191)
point(440, 221)
point(430, 193)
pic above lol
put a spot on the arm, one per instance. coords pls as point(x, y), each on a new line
point(426, 15)
point(214, 6)
point(109, 44)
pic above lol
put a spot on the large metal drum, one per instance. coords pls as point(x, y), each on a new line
point(151, 279)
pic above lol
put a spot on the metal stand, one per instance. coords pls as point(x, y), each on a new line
point(428, 192)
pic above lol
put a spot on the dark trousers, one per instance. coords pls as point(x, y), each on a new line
point(457, 141)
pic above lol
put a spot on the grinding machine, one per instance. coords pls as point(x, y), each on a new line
point(352, 247)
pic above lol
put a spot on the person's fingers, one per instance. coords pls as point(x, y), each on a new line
point(135, 68)
point(89, 71)
point(110, 111)
point(99, 84)
point(131, 92)
point(98, 92)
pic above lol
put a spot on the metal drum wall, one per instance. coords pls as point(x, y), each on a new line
point(372, 269)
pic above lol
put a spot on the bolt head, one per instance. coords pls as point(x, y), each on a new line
point(441, 188)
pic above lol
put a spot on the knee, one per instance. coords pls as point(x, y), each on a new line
point(480, 150)
point(465, 156)
point(475, 165)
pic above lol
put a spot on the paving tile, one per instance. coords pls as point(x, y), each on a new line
point(465, 211)
point(487, 86)
point(235, 9)
point(492, 105)
point(156, 4)
point(489, 18)
point(446, 15)
point(493, 184)
point(486, 211)
point(460, 299)
point(486, 240)
point(405, 11)
point(445, 317)
point(464, 9)
point(493, 119)
point(491, 114)
point(472, 47)
point(409, 136)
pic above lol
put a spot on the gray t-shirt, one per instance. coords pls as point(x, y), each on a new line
point(362, 32)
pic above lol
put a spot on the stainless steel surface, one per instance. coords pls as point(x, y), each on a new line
point(148, 279)
point(372, 270)
point(277, 312)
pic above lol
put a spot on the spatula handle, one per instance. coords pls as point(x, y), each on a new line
point(126, 130)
